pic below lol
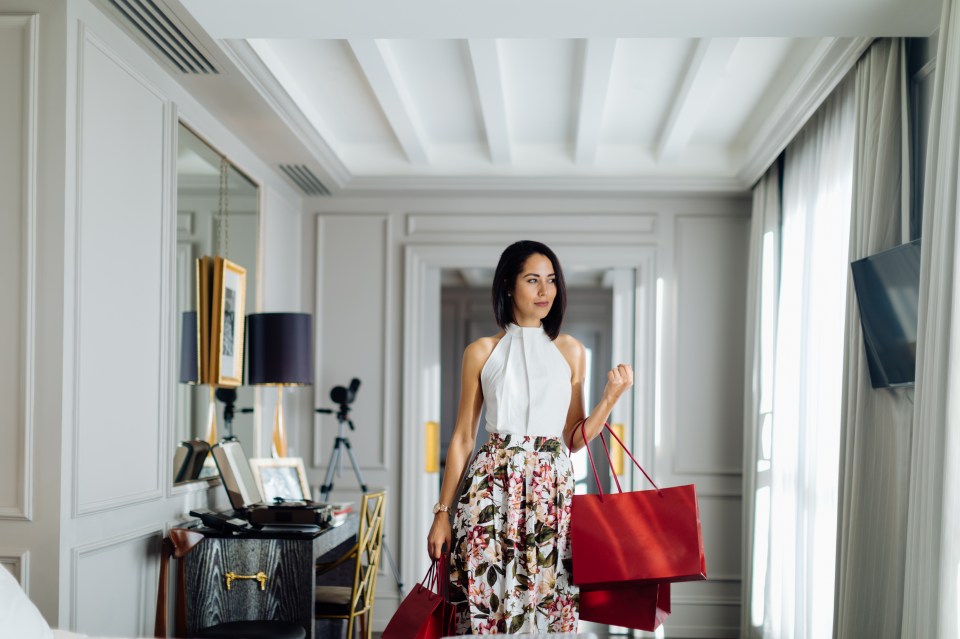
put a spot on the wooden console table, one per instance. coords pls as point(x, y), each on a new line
point(249, 576)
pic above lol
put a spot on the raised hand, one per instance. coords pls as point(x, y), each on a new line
point(619, 379)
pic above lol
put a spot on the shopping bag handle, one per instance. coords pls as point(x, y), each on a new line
point(432, 580)
point(583, 434)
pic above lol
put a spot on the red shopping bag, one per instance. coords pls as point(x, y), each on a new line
point(424, 613)
point(638, 537)
point(642, 606)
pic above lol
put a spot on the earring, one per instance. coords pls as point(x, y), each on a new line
point(508, 295)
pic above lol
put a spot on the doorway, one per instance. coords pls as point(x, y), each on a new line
point(466, 315)
point(631, 275)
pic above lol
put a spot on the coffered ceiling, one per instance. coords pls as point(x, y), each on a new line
point(377, 96)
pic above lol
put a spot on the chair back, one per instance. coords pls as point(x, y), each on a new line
point(369, 545)
point(180, 542)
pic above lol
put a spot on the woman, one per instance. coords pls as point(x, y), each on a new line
point(510, 556)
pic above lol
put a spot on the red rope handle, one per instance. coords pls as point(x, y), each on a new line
point(583, 433)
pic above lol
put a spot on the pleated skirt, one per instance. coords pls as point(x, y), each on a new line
point(510, 567)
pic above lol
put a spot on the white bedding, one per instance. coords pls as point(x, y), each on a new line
point(20, 619)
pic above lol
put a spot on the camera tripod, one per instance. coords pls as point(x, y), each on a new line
point(344, 397)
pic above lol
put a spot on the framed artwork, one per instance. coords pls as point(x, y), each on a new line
point(283, 477)
point(227, 313)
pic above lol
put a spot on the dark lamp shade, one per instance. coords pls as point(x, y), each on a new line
point(189, 363)
point(280, 349)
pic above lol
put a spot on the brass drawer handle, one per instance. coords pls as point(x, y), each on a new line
point(260, 576)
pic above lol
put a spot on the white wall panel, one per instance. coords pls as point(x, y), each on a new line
point(711, 266)
point(18, 127)
point(122, 571)
point(354, 254)
point(119, 278)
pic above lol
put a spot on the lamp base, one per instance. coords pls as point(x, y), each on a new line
point(279, 430)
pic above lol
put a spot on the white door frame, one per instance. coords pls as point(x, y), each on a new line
point(634, 330)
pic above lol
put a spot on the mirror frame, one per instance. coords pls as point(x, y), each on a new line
point(203, 483)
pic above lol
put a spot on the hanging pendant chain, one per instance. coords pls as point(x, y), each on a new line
point(223, 213)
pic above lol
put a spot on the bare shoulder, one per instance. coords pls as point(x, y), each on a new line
point(477, 352)
point(571, 349)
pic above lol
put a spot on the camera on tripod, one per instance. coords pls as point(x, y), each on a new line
point(343, 396)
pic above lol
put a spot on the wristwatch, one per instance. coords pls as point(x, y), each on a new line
point(440, 507)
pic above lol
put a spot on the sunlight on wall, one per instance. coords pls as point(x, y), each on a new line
point(579, 459)
point(761, 536)
point(658, 359)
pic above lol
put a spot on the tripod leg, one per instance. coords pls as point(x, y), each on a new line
point(356, 466)
point(331, 467)
point(363, 487)
point(393, 566)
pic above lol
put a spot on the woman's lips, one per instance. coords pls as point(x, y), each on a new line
point(542, 304)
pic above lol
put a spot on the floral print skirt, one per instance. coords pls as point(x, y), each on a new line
point(510, 568)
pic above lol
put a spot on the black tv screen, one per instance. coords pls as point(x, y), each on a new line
point(888, 289)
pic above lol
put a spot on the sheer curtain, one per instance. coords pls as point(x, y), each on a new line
point(931, 602)
point(875, 447)
point(798, 576)
point(762, 279)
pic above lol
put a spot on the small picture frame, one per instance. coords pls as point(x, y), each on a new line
point(282, 477)
point(229, 301)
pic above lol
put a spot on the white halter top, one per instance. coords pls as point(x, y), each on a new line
point(526, 384)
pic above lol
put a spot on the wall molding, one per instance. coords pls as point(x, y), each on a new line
point(19, 565)
point(94, 548)
point(87, 39)
point(678, 464)
point(29, 24)
point(437, 223)
point(388, 334)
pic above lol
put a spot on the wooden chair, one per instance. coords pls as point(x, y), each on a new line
point(177, 545)
point(356, 602)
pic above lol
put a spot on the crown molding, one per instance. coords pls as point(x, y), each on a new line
point(829, 65)
point(542, 186)
point(241, 54)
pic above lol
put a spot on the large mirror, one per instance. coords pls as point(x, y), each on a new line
point(217, 214)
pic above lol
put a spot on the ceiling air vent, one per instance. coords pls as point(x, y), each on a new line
point(165, 34)
point(304, 178)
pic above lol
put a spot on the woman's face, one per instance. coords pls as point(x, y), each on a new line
point(534, 290)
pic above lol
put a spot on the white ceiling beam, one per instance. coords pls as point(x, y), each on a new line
point(381, 70)
point(485, 57)
point(703, 75)
point(594, 85)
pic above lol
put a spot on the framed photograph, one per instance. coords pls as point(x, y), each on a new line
point(229, 301)
point(281, 477)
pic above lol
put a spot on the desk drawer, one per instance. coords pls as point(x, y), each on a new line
point(284, 589)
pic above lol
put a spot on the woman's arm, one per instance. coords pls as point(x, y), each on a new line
point(463, 441)
point(619, 379)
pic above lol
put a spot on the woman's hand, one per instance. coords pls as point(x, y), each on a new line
point(619, 380)
point(438, 540)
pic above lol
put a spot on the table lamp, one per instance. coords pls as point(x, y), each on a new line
point(279, 353)
point(190, 367)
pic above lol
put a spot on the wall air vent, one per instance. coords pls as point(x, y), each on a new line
point(304, 178)
point(164, 35)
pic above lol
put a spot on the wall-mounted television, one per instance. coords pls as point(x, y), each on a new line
point(888, 290)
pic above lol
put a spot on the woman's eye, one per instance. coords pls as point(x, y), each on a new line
point(532, 281)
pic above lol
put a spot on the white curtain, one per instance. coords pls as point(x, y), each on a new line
point(804, 433)
point(875, 448)
point(762, 283)
point(931, 603)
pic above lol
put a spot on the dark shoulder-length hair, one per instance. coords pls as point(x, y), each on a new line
point(509, 267)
